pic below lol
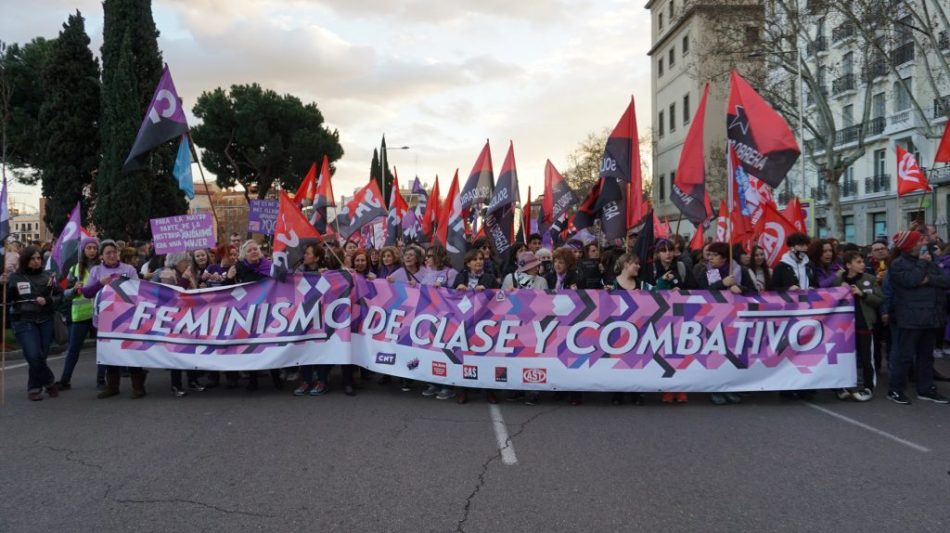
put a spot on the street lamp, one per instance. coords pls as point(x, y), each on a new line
point(382, 156)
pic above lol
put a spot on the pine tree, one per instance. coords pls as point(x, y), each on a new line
point(69, 120)
point(131, 67)
point(376, 170)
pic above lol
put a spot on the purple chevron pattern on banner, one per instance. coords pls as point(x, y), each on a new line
point(689, 341)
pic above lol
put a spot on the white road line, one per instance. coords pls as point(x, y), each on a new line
point(505, 445)
point(21, 365)
point(872, 429)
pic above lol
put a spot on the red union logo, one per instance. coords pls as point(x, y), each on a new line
point(439, 369)
point(534, 375)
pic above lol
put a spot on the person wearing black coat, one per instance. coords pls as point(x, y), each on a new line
point(665, 264)
point(794, 271)
point(918, 300)
point(721, 275)
point(473, 276)
point(34, 295)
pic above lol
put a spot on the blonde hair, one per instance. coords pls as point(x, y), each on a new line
point(242, 253)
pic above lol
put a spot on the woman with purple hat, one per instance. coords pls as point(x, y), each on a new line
point(80, 312)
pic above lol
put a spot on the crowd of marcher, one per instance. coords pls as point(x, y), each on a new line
point(900, 288)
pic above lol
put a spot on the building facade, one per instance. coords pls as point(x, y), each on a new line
point(684, 36)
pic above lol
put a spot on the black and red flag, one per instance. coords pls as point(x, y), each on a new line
point(558, 198)
point(689, 186)
point(500, 217)
point(761, 138)
point(292, 233)
point(617, 198)
point(397, 209)
point(308, 187)
point(451, 226)
point(164, 121)
point(481, 181)
point(367, 205)
point(431, 215)
point(322, 198)
point(525, 231)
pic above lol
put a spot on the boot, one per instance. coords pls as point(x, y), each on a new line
point(138, 385)
point(112, 383)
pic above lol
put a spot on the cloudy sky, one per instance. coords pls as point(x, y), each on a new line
point(440, 76)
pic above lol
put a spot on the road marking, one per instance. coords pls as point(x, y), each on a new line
point(872, 429)
point(505, 445)
point(21, 365)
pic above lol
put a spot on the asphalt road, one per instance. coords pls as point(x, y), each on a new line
point(392, 461)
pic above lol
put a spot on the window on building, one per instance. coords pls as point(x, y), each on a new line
point(902, 98)
point(847, 64)
point(848, 228)
point(685, 44)
point(822, 226)
point(672, 117)
point(686, 116)
point(880, 160)
point(847, 116)
point(672, 7)
point(672, 56)
point(659, 68)
point(878, 225)
point(659, 22)
point(751, 34)
point(662, 188)
point(661, 123)
point(877, 105)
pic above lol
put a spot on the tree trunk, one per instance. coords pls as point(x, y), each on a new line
point(833, 217)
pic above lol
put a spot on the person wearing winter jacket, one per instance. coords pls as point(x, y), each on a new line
point(793, 271)
point(80, 326)
point(919, 305)
point(868, 298)
point(33, 296)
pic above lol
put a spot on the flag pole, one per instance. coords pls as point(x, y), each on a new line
point(3, 352)
point(730, 176)
point(194, 155)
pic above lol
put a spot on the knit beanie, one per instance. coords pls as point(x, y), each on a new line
point(906, 240)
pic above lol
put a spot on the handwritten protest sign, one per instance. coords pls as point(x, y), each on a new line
point(182, 233)
point(262, 215)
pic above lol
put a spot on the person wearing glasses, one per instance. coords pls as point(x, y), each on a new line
point(34, 295)
point(109, 269)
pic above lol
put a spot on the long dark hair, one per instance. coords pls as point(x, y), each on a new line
point(84, 262)
point(25, 255)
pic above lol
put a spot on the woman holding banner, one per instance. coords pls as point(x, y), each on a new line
point(33, 295)
point(252, 266)
point(627, 268)
point(81, 312)
point(312, 264)
point(412, 259)
point(101, 275)
point(179, 272)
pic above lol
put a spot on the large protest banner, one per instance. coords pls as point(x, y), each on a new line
point(182, 233)
point(527, 339)
point(268, 324)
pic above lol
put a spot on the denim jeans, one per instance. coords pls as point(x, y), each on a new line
point(35, 339)
point(322, 371)
point(78, 331)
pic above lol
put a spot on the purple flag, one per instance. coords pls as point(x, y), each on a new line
point(423, 197)
point(411, 227)
point(164, 121)
point(65, 251)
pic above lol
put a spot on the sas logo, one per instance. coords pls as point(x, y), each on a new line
point(469, 371)
point(385, 359)
point(501, 374)
point(439, 369)
point(534, 375)
point(413, 363)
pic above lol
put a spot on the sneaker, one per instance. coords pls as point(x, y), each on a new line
point(405, 385)
point(863, 395)
point(933, 396)
point(445, 393)
point(302, 390)
point(178, 393)
point(319, 389)
point(898, 397)
point(844, 395)
point(63, 385)
point(732, 397)
point(718, 399)
point(430, 391)
point(52, 390)
point(667, 397)
point(194, 386)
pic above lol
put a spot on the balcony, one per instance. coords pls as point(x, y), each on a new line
point(819, 194)
point(902, 54)
point(842, 32)
point(819, 45)
point(849, 188)
point(842, 84)
point(876, 126)
point(937, 176)
point(875, 69)
point(941, 107)
point(876, 184)
point(848, 135)
point(943, 40)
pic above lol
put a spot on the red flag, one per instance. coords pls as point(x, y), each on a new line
point(761, 138)
point(366, 206)
point(793, 213)
point(698, 239)
point(396, 201)
point(526, 218)
point(773, 231)
point(451, 230)
point(433, 208)
point(689, 186)
point(659, 230)
point(943, 149)
point(324, 192)
point(445, 212)
point(292, 233)
point(308, 187)
point(909, 176)
point(722, 223)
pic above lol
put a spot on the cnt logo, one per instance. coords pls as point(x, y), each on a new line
point(501, 374)
point(385, 359)
point(439, 369)
point(469, 371)
point(534, 375)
